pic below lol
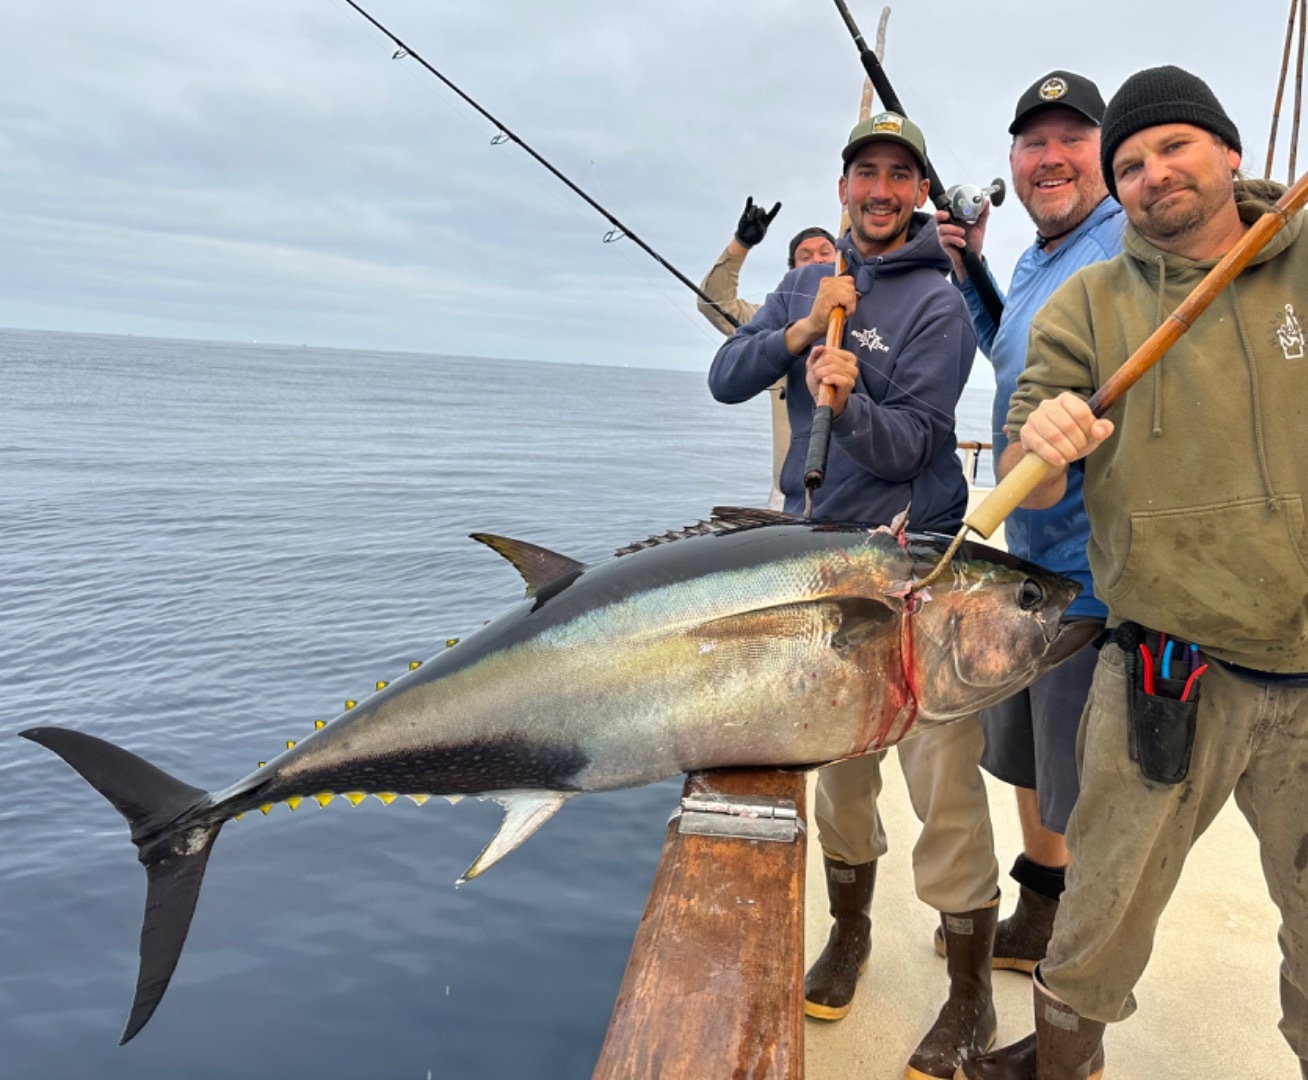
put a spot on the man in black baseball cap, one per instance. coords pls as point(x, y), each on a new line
point(1031, 737)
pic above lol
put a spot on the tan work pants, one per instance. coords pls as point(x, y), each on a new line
point(954, 867)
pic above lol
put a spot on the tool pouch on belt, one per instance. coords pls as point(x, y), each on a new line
point(1159, 725)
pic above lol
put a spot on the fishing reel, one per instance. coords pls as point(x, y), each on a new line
point(967, 202)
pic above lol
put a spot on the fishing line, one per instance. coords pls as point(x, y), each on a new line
point(506, 134)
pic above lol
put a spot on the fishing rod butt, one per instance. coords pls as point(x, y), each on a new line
point(819, 442)
point(1008, 495)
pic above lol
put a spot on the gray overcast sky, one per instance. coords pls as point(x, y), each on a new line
point(256, 170)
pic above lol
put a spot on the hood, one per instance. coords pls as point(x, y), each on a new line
point(922, 248)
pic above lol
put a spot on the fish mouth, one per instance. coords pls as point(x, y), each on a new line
point(1070, 637)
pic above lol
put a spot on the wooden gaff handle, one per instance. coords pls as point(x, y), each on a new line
point(819, 440)
point(1032, 469)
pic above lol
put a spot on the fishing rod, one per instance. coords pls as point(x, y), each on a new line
point(976, 271)
point(505, 135)
point(1032, 469)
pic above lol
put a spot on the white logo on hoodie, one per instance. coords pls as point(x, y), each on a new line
point(869, 339)
point(1290, 335)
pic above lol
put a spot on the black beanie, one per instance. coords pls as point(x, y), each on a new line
point(801, 236)
point(1161, 95)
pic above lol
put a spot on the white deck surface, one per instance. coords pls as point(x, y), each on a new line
point(1208, 1003)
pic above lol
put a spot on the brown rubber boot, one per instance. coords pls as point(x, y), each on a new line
point(830, 983)
point(1064, 1046)
point(1022, 938)
point(966, 1024)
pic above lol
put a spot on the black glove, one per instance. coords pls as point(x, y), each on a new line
point(754, 223)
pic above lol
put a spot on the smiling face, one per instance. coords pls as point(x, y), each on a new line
point(1056, 172)
point(882, 186)
point(1176, 183)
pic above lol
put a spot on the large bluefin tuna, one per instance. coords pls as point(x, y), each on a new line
point(754, 639)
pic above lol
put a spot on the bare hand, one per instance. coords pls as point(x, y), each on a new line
point(835, 368)
point(953, 236)
point(832, 293)
point(1063, 430)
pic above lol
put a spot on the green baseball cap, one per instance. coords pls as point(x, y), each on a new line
point(890, 127)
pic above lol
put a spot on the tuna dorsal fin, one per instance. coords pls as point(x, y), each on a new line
point(724, 519)
point(538, 566)
point(524, 813)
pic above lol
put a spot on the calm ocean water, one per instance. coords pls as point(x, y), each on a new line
point(203, 548)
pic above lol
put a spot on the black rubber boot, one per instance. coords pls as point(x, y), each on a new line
point(1022, 938)
point(966, 1024)
point(1064, 1046)
point(831, 981)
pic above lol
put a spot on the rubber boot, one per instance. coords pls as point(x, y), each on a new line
point(831, 981)
point(1022, 938)
point(966, 1024)
point(1064, 1046)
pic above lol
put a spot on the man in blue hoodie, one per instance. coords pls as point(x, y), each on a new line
point(904, 360)
point(1031, 737)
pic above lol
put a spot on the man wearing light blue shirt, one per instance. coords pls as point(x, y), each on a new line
point(1031, 738)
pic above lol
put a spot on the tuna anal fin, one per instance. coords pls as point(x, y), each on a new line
point(524, 813)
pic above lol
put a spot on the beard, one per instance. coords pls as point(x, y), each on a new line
point(1180, 218)
point(1054, 215)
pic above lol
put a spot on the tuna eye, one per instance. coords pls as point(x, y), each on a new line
point(1031, 595)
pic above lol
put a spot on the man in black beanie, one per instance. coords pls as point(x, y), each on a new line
point(1196, 490)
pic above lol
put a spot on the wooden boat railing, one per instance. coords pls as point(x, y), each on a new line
point(714, 986)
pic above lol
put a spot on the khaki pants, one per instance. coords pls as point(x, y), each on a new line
point(954, 867)
point(1129, 837)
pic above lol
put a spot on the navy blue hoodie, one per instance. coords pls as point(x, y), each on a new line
point(894, 443)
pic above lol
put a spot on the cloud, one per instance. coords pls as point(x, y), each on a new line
point(253, 170)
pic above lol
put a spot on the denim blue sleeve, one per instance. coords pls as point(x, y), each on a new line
point(982, 323)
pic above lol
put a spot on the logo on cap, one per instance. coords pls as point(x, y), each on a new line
point(1052, 89)
point(888, 122)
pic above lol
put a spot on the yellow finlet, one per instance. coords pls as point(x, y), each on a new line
point(237, 817)
point(294, 801)
point(419, 799)
point(266, 808)
point(382, 684)
point(290, 743)
point(414, 665)
point(318, 725)
point(387, 797)
point(355, 797)
point(350, 705)
point(324, 797)
point(261, 764)
point(451, 642)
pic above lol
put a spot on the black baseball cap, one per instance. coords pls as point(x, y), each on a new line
point(1059, 90)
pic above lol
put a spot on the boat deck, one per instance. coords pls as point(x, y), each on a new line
point(1208, 1003)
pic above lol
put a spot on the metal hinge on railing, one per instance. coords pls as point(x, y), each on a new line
point(742, 816)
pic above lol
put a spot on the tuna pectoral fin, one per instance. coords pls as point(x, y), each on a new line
point(174, 855)
point(524, 813)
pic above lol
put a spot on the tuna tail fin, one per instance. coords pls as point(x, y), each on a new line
point(173, 854)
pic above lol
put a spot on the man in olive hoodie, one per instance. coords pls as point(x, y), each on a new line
point(1196, 485)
